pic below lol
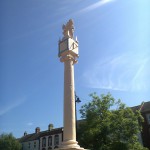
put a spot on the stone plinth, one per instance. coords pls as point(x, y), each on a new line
point(72, 149)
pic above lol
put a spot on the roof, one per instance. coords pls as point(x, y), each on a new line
point(36, 136)
point(52, 132)
point(29, 137)
point(144, 107)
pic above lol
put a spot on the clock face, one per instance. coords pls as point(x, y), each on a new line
point(68, 45)
point(63, 46)
point(73, 46)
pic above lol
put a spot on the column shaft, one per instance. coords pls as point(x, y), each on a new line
point(69, 102)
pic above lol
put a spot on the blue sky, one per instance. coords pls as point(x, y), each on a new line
point(114, 49)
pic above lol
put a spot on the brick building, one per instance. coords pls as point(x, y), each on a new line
point(145, 111)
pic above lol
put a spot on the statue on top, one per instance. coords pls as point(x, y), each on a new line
point(68, 29)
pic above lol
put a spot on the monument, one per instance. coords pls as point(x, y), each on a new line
point(68, 53)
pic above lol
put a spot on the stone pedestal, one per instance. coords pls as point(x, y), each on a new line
point(73, 149)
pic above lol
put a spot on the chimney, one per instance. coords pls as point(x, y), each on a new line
point(25, 133)
point(50, 127)
point(37, 130)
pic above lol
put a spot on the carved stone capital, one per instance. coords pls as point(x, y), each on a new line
point(68, 57)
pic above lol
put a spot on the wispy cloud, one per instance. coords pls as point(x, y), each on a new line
point(11, 106)
point(122, 72)
point(29, 123)
point(95, 5)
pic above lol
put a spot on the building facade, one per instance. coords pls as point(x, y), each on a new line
point(50, 140)
point(42, 140)
point(145, 111)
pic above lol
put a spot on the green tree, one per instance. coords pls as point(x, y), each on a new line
point(109, 125)
point(8, 142)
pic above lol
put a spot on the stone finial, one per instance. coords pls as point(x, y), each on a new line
point(68, 29)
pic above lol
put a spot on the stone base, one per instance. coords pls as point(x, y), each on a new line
point(70, 145)
point(71, 149)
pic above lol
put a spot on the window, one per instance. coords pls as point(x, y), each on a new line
point(43, 142)
point(29, 145)
point(148, 118)
point(56, 141)
point(34, 144)
point(55, 147)
point(50, 141)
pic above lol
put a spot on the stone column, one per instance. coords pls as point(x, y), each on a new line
point(69, 139)
point(69, 101)
point(68, 53)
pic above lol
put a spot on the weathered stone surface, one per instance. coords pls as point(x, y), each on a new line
point(68, 53)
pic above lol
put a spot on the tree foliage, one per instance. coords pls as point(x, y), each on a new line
point(109, 125)
point(8, 142)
